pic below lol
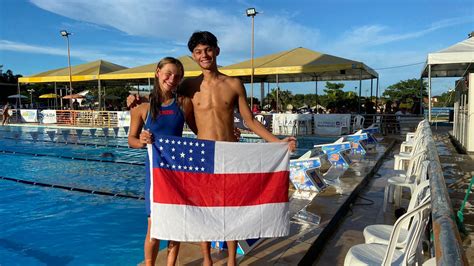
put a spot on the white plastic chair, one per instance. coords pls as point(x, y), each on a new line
point(412, 138)
point(380, 254)
point(358, 123)
point(402, 157)
point(409, 179)
point(380, 233)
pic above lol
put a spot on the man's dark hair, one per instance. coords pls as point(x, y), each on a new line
point(202, 37)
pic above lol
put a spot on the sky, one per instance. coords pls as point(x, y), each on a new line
point(392, 37)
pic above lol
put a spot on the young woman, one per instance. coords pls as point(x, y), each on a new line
point(165, 114)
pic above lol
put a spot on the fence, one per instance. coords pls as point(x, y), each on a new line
point(279, 124)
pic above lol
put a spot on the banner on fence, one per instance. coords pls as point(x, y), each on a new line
point(49, 117)
point(332, 124)
point(292, 124)
point(29, 115)
point(264, 119)
point(123, 119)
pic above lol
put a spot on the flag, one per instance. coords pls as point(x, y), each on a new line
point(205, 190)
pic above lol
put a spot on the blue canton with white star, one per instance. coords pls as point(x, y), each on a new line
point(183, 154)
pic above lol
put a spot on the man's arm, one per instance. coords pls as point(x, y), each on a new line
point(134, 100)
point(252, 123)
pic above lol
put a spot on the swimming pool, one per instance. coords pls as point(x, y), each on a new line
point(47, 225)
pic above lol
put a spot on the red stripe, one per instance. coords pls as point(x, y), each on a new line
point(219, 190)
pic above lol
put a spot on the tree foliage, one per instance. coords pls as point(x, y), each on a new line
point(405, 90)
point(446, 99)
point(8, 76)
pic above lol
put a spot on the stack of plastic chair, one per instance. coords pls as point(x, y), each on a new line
point(413, 137)
point(358, 123)
point(409, 179)
point(380, 254)
point(419, 143)
point(380, 233)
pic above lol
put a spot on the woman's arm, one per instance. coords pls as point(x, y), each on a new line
point(136, 137)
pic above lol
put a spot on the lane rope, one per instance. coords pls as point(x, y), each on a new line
point(70, 157)
point(82, 190)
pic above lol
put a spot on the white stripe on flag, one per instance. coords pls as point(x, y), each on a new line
point(237, 157)
point(221, 223)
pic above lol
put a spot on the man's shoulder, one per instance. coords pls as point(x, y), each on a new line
point(232, 81)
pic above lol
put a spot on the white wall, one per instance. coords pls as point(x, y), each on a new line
point(470, 123)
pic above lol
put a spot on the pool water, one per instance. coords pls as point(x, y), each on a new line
point(51, 226)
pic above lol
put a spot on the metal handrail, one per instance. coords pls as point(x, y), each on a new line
point(447, 241)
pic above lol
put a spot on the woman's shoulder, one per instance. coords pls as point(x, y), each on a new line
point(141, 109)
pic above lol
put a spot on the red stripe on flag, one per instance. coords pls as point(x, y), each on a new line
point(219, 190)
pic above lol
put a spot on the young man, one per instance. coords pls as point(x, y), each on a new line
point(214, 96)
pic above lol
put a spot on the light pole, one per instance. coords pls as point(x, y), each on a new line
point(66, 34)
point(251, 12)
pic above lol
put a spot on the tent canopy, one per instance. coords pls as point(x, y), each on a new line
point(300, 64)
point(83, 72)
point(48, 96)
point(191, 69)
point(453, 61)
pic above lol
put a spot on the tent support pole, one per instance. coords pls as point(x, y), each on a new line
point(277, 92)
point(262, 93)
point(19, 97)
point(377, 94)
point(149, 85)
point(55, 98)
point(61, 97)
point(429, 93)
point(371, 88)
point(316, 90)
point(360, 89)
point(100, 94)
point(421, 95)
point(268, 94)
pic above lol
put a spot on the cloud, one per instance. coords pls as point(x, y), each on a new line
point(173, 21)
point(6, 45)
point(375, 35)
point(90, 54)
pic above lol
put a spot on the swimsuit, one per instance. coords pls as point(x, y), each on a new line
point(170, 122)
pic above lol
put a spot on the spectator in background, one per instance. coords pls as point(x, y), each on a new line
point(75, 105)
point(255, 109)
point(273, 106)
point(6, 114)
point(417, 108)
point(369, 111)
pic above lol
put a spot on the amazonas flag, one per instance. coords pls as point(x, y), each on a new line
point(212, 190)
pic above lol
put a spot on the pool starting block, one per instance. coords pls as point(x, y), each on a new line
point(371, 130)
point(357, 142)
point(298, 177)
point(336, 152)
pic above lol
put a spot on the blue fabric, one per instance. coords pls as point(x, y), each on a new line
point(170, 122)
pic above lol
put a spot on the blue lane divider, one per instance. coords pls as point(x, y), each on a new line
point(83, 190)
point(70, 157)
point(74, 143)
